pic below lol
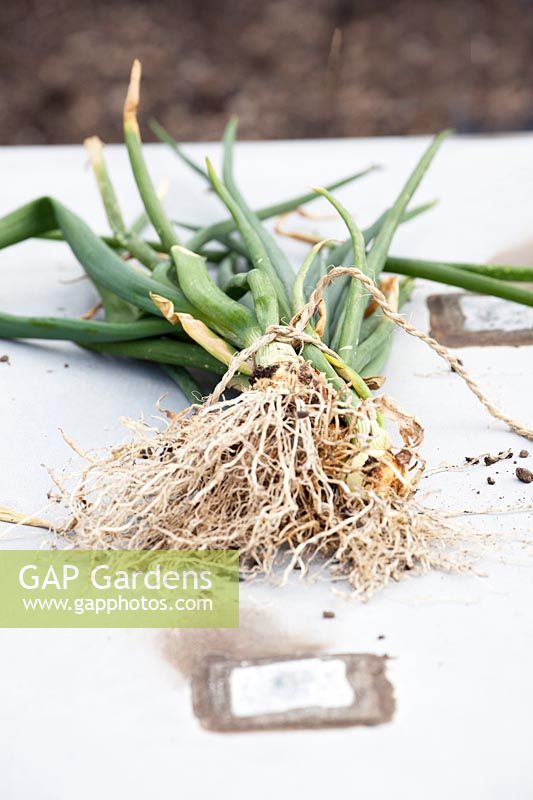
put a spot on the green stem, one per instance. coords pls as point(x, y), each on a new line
point(237, 286)
point(230, 319)
point(377, 364)
point(256, 248)
point(132, 137)
point(298, 290)
point(374, 351)
point(163, 351)
point(380, 248)
point(138, 248)
point(110, 241)
point(278, 259)
point(78, 330)
point(184, 380)
point(100, 262)
point(501, 272)
point(218, 229)
point(343, 255)
point(347, 332)
point(265, 303)
point(319, 361)
point(445, 273)
point(167, 139)
point(226, 271)
point(267, 312)
point(371, 322)
point(375, 342)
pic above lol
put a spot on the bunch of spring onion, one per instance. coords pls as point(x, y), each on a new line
point(295, 462)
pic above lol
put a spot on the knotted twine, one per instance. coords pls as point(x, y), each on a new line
point(295, 332)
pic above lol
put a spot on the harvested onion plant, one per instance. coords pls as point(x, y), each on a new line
point(293, 459)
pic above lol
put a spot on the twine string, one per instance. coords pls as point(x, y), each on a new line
point(295, 333)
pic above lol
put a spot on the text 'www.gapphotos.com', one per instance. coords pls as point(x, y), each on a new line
point(112, 605)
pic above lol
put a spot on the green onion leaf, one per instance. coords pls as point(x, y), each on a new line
point(257, 251)
point(105, 268)
point(167, 139)
point(442, 272)
point(132, 137)
point(277, 257)
point(379, 250)
point(163, 351)
point(346, 334)
point(78, 330)
point(233, 321)
point(185, 382)
point(132, 243)
point(221, 229)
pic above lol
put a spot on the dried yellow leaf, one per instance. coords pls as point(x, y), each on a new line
point(17, 518)
point(204, 336)
point(166, 307)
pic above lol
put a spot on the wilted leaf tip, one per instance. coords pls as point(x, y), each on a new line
point(131, 104)
point(94, 147)
point(213, 344)
point(166, 307)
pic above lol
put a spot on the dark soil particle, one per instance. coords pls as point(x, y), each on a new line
point(263, 372)
point(166, 452)
point(305, 374)
point(381, 636)
point(489, 460)
point(524, 475)
point(491, 481)
point(328, 614)
point(523, 453)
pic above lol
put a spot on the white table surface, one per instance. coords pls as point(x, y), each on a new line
point(101, 714)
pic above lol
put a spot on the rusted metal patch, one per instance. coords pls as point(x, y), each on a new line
point(463, 320)
point(292, 692)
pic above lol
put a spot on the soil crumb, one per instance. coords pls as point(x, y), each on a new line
point(259, 636)
point(524, 475)
point(489, 460)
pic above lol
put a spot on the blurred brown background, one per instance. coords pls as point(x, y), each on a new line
point(288, 68)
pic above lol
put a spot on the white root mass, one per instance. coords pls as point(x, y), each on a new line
point(289, 473)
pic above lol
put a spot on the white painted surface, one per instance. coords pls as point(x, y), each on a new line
point(287, 685)
point(98, 714)
point(493, 314)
